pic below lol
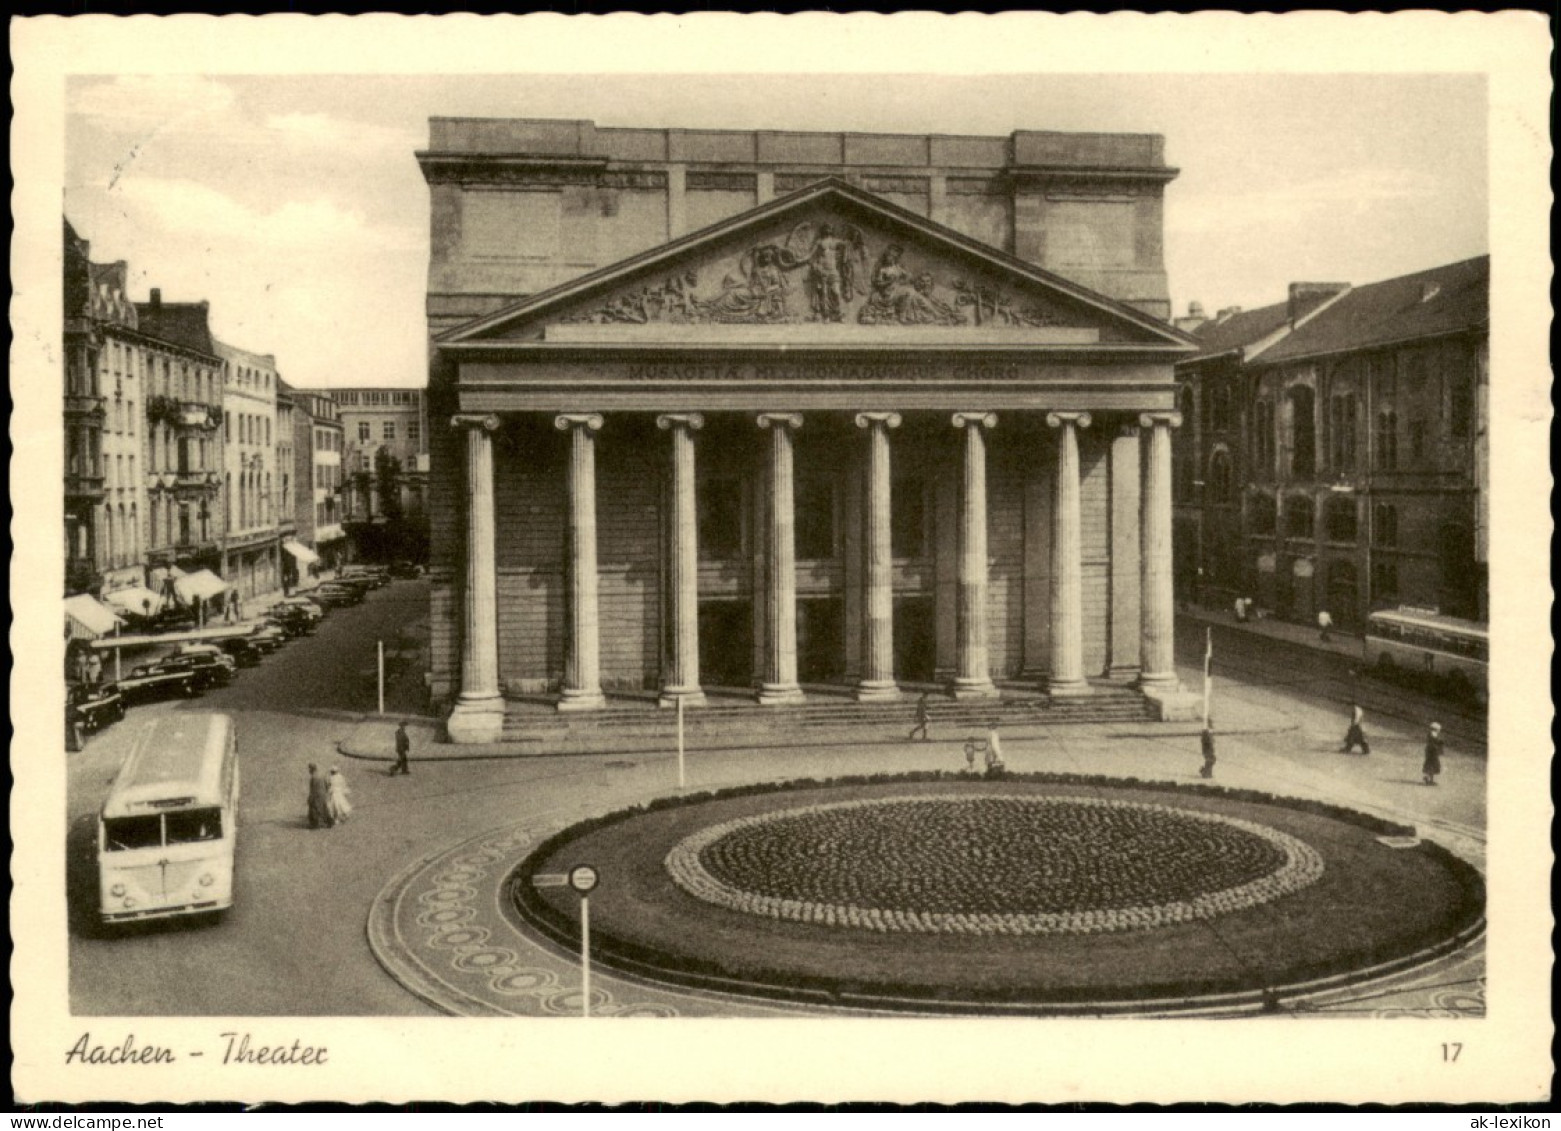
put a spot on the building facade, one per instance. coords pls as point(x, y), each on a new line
point(747, 411)
point(1337, 457)
point(392, 421)
point(182, 377)
point(251, 543)
point(318, 444)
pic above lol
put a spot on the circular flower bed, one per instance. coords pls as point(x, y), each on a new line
point(990, 864)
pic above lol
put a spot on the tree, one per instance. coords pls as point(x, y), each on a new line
point(387, 477)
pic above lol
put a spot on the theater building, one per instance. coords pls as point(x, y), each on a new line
point(767, 413)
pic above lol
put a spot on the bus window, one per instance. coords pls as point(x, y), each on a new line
point(191, 825)
point(124, 833)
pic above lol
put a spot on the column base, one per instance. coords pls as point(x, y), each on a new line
point(780, 694)
point(1067, 688)
point(878, 691)
point(964, 688)
point(1123, 671)
point(688, 696)
point(576, 699)
point(476, 721)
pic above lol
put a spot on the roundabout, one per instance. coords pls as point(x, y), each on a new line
point(1033, 894)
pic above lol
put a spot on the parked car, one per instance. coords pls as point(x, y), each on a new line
point(288, 624)
point(209, 670)
point(304, 604)
point(356, 581)
point(405, 569)
point(332, 595)
point(242, 649)
point(375, 575)
point(96, 707)
point(267, 638)
point(147, 682)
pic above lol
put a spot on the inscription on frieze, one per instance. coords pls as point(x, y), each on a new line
point(839, 371)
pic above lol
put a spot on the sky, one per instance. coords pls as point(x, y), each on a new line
point(295, 206)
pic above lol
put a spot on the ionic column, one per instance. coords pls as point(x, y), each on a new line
point(1158, 645)
point(780, 655)
point(974, 677)
point(478, 715)
point(683, 678)
point(582, 689)
point(1067, 580)
point(877, 681)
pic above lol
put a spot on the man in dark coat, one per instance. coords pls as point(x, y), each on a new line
point(1207, 741)
point(1433, 754)
point(1355, 736)
point(319, 799)
point(403, 748)
point(922, 719)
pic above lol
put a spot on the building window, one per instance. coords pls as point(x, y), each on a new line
point(390, 430)
point(1460, 408)
point(1384, 582)
point(1416, 440)
point(908, 519)
point(414, 430)
point(1387, 440)
point(1384, 525)
point(1300, 515)
point(815, 518)
point(1303, 432)
point(1264, 514)
point(1341, 432)
point(1221, 482)
point(363, 430)
point(1263, 436)
point(1219, 412)
point(1339, 520)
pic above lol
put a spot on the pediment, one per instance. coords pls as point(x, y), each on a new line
point(830, 265)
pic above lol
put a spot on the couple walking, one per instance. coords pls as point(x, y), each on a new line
point(329, 804)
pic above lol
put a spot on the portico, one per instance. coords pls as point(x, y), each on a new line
point(672, 487)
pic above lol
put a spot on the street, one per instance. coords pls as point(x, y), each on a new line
point(294, 942)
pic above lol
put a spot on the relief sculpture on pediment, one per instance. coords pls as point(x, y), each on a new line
point(818, 273)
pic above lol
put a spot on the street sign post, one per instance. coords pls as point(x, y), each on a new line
point(583, 878)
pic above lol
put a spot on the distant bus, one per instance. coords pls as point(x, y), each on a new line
point(1421, 646)
point(167, 831)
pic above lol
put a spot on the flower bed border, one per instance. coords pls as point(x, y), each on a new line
point(532, 909)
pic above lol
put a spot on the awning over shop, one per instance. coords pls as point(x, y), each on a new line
point(87, 619)
point(200, 585)
point(135, 599)
point(303, 553)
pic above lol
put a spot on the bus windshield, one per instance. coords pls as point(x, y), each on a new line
point(189, 826)
point(123, 833)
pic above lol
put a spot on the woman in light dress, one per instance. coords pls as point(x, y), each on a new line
point(340, 804)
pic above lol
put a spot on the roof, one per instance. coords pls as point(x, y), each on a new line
point(178, 755)
point(1222, 335)
point(180, 323)
point(1396, 310)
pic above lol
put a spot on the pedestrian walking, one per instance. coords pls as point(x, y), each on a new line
point(94, 669)
point(1433, 754)
point(1324, 625)
point(994, 753)
point(337, 799)
point(403, 749)
point(1355, 736)
point(1241, 610)
point(319, 799)
point(1207, 742)
point(921, 719)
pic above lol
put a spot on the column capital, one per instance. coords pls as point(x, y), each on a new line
point(1151, 419)
point(487, 421)
point(693, 421)
point(780, 419)
point(868, 419)
point(1058, 419)
point(590, 421)
point(987, 420)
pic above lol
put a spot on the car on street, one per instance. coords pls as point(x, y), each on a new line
point(333, 596)
point(211, 669)
point(267, 638)
point(405, 569)
point(313, 611)
point(242, 649)
point(148, 682)
point(293, 618)
point(375, 575)
point(96, 707)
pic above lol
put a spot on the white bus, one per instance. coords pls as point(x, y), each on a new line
point(1422, 645)
point(168, 829)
